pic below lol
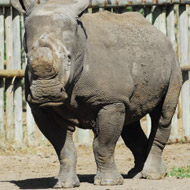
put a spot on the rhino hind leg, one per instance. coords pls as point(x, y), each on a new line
point(110, 122)
point(55, 131)
point(161, 118)
point(154, 167)
point(136, 141)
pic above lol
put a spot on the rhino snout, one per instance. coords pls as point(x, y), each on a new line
point(44, 95)
point(41, 62)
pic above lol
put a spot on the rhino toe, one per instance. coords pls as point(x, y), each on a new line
point(110, 181)
point(67, 184)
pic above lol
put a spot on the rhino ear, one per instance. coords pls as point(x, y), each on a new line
point(80, 6)
point(23, 6)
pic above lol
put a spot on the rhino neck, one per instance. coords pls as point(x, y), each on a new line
point(80, 51)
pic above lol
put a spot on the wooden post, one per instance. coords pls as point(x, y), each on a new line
point(148, 13)
point(17, 83)
point(9, 85)
point(2, 31)
point(159, 18)
point(148, 125)
point(83, 136)
point(101, 9)
point(183, 34)
point(171, 35)
point(31, 132)
point(171, 26)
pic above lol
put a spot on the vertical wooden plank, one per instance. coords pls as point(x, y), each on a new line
point(159, 18)
point(185, 93)
point(171, 26)
point(148, 125)
point(31, 132)
point(174, 136)
point(171, 35)
point(101, 9)
point(188, 9)
point(17, 84)
point(2, 130)
point(83, 136)
point(9, 85)
point(90, 10)
point(148, 13)
point(30, 123)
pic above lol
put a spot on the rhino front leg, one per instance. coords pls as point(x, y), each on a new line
point(110, 122)
point(67, 177)
point(55, 130)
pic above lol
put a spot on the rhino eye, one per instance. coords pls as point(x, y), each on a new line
point(69, 57)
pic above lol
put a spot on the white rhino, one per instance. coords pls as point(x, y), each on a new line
point(103, 72)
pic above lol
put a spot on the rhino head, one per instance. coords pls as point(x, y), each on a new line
point(54, 43)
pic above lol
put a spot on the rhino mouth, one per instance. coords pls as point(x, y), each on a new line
point(45, 102)
point(48, 94)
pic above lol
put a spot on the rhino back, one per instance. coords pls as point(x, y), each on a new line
point(127, 60)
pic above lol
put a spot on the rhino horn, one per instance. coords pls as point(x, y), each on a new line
point(23, 6)
point(80, 6)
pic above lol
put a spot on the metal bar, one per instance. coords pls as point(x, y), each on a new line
point(118, 3)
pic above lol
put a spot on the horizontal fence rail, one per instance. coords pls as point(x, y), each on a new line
point(118, 3)
point(17, 126)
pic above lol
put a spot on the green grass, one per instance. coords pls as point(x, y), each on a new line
point(182, 172)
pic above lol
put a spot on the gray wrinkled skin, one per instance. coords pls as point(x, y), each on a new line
point(102, 72)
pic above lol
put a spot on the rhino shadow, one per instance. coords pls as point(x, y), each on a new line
point(48, 182)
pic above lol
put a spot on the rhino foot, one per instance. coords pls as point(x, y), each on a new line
point(108, 181)
point(69, 183)
point(153, 168)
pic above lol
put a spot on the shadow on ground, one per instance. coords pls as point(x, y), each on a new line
point(49, 182)
point(44, 183)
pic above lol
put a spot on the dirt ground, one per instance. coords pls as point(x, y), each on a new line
point(35, 169)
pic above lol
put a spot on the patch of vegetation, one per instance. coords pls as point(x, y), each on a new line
point(182, 172)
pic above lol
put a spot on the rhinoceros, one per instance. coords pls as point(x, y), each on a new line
point(103, 72)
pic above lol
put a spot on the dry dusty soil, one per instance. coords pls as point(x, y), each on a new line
point(35, 169)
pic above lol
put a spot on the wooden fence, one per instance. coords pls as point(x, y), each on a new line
point(17, 126)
